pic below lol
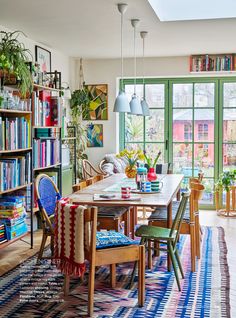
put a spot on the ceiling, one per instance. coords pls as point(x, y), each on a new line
point(91, 28)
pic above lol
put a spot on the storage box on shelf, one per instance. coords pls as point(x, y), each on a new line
point(213, 63)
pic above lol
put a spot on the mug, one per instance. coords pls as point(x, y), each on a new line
point(156, 185)
point(146, 186)
point(125, 192)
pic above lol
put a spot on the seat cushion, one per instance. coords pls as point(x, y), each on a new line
point(113, 212)
point(105, 239)
point(160, 214)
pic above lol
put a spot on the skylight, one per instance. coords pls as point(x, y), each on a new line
point(181, 10)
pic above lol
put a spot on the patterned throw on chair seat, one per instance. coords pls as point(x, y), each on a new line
point(109, 211)
point(160, 214)
point(106, 239)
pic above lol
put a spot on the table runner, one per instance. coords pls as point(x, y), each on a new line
point(69, 238)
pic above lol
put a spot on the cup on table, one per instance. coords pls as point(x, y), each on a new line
point(125, 192)
point(145, 186)
point(156, 185)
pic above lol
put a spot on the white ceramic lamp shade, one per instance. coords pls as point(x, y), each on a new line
point(135, 106)
point(122, 103)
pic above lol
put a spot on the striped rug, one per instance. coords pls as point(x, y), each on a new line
point(35, 292)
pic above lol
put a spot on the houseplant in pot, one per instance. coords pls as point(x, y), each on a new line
point(225, 182)
point(14, 58)
point(151, 166)
point(131, 156)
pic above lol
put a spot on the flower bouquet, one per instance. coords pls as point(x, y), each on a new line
point(131, 156)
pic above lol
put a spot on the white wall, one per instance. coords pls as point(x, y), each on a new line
point(107, 71)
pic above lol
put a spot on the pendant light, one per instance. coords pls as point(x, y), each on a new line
point(144, 104)
point(121, 102)
point(135, 106)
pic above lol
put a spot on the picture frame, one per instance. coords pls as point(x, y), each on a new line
point(98, 105)
point(43, 58)
point(94, 135)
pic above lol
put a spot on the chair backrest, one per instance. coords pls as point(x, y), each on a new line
point(163, 168)
point(47, 195)
point(88, 170)
point(94, 179)
point(179, 216)
point(79, 186)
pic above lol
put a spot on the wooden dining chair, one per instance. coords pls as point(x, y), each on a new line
point(159, 218)
point(47, 195)
point(88, 170)
point(109, 218)
point(99, 256)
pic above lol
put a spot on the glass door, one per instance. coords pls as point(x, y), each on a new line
point(193, 107)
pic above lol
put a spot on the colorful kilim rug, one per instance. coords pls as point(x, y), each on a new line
point(33, 292)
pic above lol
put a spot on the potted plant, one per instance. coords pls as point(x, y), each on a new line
point(226, 180)
point(151, 165)
point(131, 156)
point(13, 61)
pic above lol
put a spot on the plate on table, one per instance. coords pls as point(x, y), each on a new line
point(115, 197)
point(141, 192)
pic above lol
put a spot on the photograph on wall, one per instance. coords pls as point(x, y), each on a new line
point(43, 58)
point(97, 109)
point(95, 135)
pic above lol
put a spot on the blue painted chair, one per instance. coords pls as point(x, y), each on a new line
point(47, 195)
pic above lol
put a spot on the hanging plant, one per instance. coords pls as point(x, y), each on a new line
point(13, 61)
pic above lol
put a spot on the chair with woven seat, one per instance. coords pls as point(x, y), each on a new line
point(168, 237)
point(109, 218)
point(88, 170)
point(159, 218)
point(47, 195)
point(104, 251)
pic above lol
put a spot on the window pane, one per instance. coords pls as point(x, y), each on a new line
point(182, 159)
point(182, 125)
point(204, 159)
point(183, 95)
point(155, 125)
point(155, 95)
point(131, 146)
point(208, 194)
point(204, 94)
point(133, 128)
point(204, 125)
point(153, 149)
point(229, 125)
point(229, 156)
point(129, 89)
point(229, 95)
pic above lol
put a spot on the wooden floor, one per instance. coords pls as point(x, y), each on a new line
point(19, 251)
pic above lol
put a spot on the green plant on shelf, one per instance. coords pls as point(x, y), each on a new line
point(225, 181)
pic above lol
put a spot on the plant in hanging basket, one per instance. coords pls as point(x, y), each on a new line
point(13, 62)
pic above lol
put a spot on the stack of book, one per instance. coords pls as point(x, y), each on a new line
point(15, 133)
point(12, 216)
point(46, 152)
point(14, 171)
point(3, 237)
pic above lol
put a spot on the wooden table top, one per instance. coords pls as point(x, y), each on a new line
point(171, 185)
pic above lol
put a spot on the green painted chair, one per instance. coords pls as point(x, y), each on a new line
point(165, 236)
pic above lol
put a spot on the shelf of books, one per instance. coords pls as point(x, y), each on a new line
point(213, 63)
point(15, 166)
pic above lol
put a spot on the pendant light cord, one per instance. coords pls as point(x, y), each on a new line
point(122, 62)
point(134, 60)
point(143, 66)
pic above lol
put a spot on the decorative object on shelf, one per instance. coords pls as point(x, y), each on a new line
point(66, 92)
point(213, 63)
point(152, 176)
point(135, 106)
point(13, 62)
point(131, 156)
point(43, 58)
point(144, 104)
point(97, 108)
point(121, 102)
point(226, 184)
point(95, 135)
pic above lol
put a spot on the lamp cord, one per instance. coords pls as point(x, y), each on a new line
point(122, 63)
point(143, 67)
point(134, 60)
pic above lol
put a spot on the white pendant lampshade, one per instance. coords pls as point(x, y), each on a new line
point(121, 102)
point(144, 104)
point(135, 106)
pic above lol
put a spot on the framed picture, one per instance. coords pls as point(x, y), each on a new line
point(94, 135)
point(43, 58)
point(98, 106)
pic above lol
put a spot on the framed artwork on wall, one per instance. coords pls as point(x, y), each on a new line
point(43, 58)
point(98, 105)
point(94, 135)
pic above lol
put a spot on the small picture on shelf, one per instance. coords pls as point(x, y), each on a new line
point(98, 105)
point(94, 135)
point(43, 58)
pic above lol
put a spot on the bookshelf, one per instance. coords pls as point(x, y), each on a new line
point(15, 167)
point(205, 63)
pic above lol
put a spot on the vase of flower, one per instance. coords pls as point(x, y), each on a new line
point(151, 175)
point(131, 156)
point(130, 171)
point(151, 164)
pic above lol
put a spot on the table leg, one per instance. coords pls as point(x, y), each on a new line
point(178, 195)
point(133, 211)
point(169, 224)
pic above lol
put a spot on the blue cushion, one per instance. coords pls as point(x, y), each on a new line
point(106, 239)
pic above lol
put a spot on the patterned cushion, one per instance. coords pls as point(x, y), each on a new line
point(111, 211)
point(160, 214)
point(107, 168)
point(106, 239)
point(118, 163)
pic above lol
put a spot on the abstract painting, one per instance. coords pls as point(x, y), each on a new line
point(95, 135)
point(43, 58)
point(98, 106)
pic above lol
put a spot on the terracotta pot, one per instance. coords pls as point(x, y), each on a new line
point(151, 175)
point(131, 171)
